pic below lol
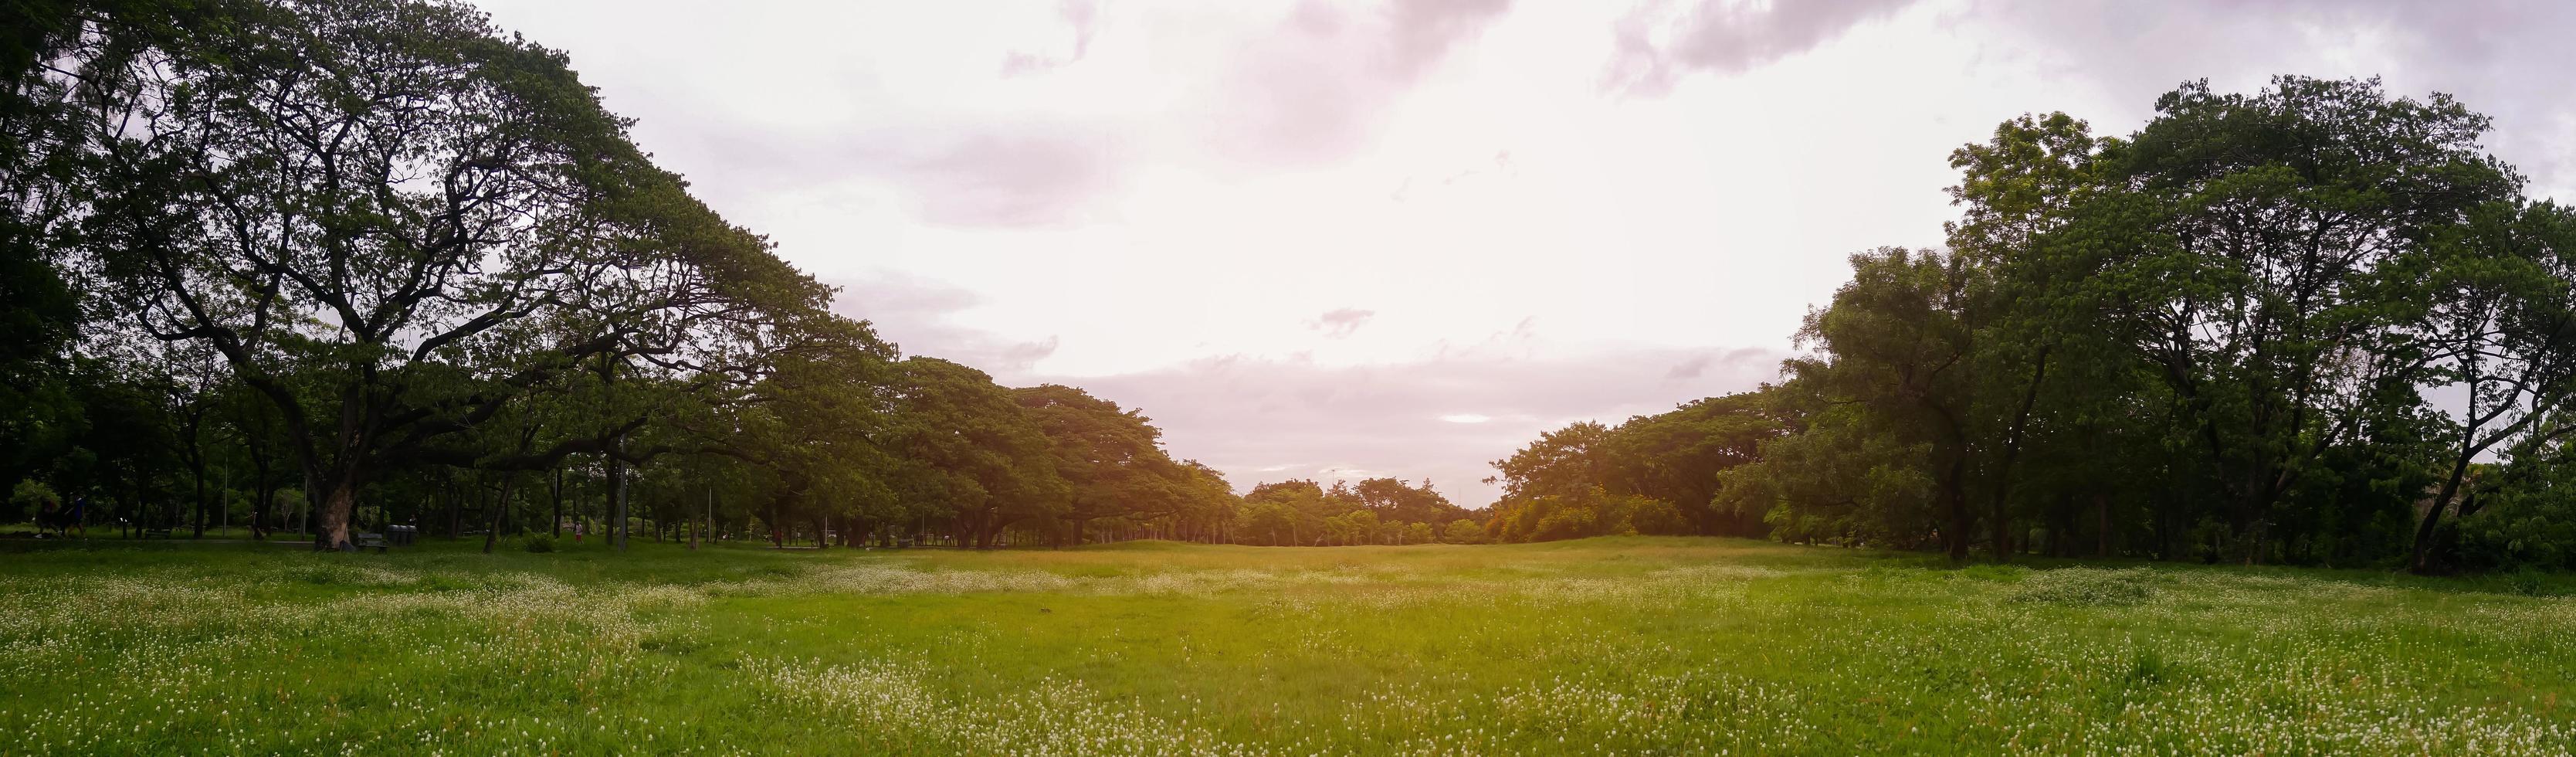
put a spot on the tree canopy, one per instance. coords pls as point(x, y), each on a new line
point(2316, 323)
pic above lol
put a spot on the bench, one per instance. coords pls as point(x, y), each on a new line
point(372, 541)
point(156, 533)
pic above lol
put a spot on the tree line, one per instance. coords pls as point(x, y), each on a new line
point(2314, 324)
point(321, 267)
point(327, 267)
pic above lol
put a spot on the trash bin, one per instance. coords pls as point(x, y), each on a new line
point(401, 536)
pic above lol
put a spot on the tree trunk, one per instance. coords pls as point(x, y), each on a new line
point(1953, 491)
point(2422, 561)
point(616, 504)
point(336, 509)
point(2102, 524)
point(492, 530)
point(266, 494)
point(557, 491)
point(2002, 528)
point(197, 485)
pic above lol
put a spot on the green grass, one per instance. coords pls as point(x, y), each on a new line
point(1634, 645)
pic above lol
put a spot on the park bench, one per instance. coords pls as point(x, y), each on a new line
point(374, 541)
point(156, 533)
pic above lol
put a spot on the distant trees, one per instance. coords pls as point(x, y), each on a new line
point(1376, 511)
point(1653, 474)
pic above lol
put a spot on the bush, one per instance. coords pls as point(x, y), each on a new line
point(1655, 517)
point(28, 499)
point(541, 543)
point(2084, 587)
point(2528, 582)
point(1566, 523)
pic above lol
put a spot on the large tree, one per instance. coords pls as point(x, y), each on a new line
point(1111, 458)
point(973, 450)
point(2259, 251)
point(397, 224)
point(2499, 326)
point(1896, 347)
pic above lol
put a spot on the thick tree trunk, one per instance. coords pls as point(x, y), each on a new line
point(337, 506)
point(2422, 560)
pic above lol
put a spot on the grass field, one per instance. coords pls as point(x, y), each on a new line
point(1623, 646)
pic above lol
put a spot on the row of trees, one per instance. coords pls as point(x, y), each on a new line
point(334, 265)
point(337, 264)
point(1302, 512)
point(2313, 324)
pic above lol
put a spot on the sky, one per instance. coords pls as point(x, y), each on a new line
point(1344, 240)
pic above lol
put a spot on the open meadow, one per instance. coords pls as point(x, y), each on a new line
point(1602, 646)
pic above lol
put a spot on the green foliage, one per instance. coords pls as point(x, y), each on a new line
point(1676, 459)
point(2216, 338)
point(539, 543)
point(973, 450)
point(1376, 511)
point(1591, 512)
point(29, 498)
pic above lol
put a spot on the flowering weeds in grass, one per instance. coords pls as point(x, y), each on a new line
point(2085, 587)
point(1624, 646)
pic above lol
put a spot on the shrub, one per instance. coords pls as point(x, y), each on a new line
point(541, 543)
point(2528, 582)
point(1566, 523)
point(1655, 517)
point(28, 499)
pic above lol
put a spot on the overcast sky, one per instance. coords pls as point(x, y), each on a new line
point(1402, 237)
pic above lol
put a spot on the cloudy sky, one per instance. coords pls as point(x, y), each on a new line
point(1401, 237)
